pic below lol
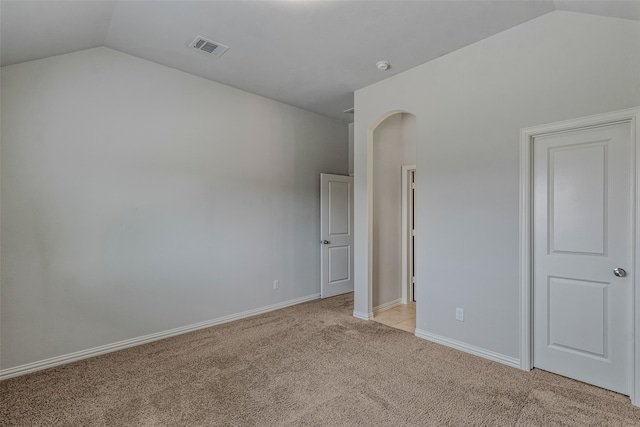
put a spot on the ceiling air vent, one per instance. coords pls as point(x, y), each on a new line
point(208, 46)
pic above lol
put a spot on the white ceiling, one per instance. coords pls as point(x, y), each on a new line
point(310, 54)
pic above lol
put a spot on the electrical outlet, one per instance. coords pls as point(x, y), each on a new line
point(460, 314)
point(276, 284)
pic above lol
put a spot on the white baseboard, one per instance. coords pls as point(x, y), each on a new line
point(467, 348)
point(108, 348)
point(387, 305)
point(363, 316)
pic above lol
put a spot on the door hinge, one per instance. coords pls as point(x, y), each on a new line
point(413, 185)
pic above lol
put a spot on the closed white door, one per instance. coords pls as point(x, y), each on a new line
point(336, 234)
point(582, 242)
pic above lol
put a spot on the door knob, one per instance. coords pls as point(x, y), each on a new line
point(619, 272)
point(325, 242)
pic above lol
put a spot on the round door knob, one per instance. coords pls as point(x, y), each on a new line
point(325, 242)
point(619, 272)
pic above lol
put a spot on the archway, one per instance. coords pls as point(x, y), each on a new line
point(392, 154)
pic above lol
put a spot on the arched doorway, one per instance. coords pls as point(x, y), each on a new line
point(392, 151)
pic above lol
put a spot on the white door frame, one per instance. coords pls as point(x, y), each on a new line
point(526, 238)
point(407, 214)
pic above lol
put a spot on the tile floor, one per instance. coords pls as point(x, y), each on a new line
point(402, 316)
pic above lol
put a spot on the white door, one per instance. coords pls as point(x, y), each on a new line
point(336, 234)
point(582, 234)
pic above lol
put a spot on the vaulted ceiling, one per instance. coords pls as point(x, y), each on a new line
point(310, 54)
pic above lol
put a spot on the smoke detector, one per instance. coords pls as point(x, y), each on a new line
point(383, 65)
point(208, 46)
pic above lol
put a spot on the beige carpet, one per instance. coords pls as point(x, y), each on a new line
point(312, 364)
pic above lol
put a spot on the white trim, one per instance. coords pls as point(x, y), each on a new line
point(387, 305)
point(526, 146)
point(96, 351)
point(363, 316)
point(406, 234)
point(477, 351)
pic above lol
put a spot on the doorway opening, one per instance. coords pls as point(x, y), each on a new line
point(393, 173)
point(336, 235)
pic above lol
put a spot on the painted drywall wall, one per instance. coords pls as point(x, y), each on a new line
point(137, 198)
point(470, 106)
point(393, 146)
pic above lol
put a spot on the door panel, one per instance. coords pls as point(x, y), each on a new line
point(339, 264)
point(577, 311)
point(339, 209)
point(336, 231)
point(582, 231)
point(577, 182)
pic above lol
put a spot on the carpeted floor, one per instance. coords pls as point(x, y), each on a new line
point(312, 364)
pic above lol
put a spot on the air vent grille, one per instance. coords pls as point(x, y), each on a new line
point(208, 46)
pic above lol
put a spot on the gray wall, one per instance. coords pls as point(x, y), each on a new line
point(470, 106)
point(394, 145)
point(137, 198)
